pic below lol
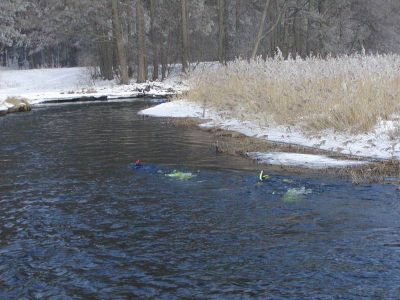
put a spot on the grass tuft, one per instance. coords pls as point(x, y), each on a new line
point(16, 101)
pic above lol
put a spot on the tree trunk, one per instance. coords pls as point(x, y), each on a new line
point(141, 42)
point(321, 8)
point(130, 22)
point(163, 55)
point(237, 27)
point(106, 59)
point(298, 31)
point(185, 35)
point(223, 32)
point(163, 63)
point(260, 29)
point(123, 63)
point(308, 31)
point(237, 15)
point(154, 40)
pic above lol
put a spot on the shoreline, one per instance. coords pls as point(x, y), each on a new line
point(23, 105)
point(286, 157)
point(282, 156)
point(64, 85)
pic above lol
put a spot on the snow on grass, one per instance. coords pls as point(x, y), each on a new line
point(377, 144)
point(302, 160)
point(41, 85)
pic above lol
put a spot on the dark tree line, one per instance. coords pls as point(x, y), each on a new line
point(125, 37)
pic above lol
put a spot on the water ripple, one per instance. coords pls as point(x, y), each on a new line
point(77, 222)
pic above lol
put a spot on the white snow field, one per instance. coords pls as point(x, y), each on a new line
point(40, 85)
point(376, 145)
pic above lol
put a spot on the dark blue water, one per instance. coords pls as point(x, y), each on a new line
point(77, 222)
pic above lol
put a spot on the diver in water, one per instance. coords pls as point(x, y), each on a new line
point(140, 167)
point(263, 176)
point(138, 164)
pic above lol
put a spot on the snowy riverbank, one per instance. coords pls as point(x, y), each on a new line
point(376, 145)
point(58, 85)
point(43, 85)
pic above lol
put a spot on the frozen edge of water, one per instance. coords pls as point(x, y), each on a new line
point(371, 146)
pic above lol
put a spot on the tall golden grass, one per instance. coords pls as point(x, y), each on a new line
point(348, 93)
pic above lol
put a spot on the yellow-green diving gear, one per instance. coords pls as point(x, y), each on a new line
point(263, 177)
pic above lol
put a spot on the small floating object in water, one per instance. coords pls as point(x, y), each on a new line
point(180, 175)
point(293, 195)
point(263, 177)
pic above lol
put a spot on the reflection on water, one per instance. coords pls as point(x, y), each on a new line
point(76, 221)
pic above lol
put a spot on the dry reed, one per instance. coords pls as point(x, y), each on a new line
point(346, 94)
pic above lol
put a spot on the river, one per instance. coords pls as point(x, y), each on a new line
point(78, 221)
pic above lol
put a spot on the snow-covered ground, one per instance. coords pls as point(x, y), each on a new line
point(375, 145)
point(41, 85)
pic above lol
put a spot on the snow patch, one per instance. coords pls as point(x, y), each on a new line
point(3, 107)
point(302, 160)
point(176, 109)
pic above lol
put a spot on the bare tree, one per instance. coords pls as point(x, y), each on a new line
point(223, 31)
point(154, 40)
point(123, 63)
point(185, 35)
point(237, 26)
point(79, 32)
point(142, 68)
point(260, 29)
